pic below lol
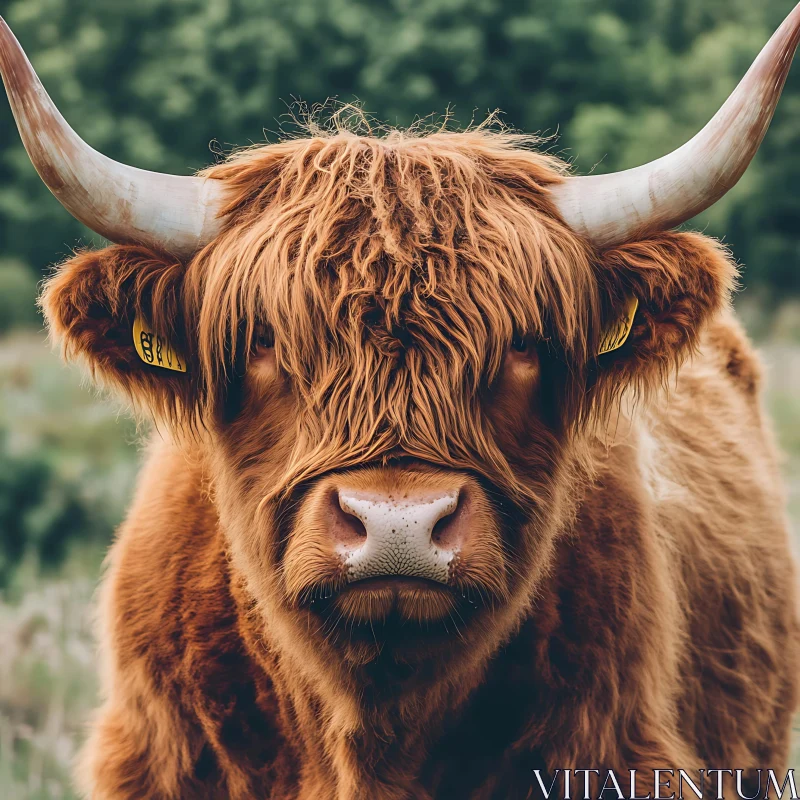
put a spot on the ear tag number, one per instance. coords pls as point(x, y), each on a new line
point(154, 349)
point(616, 334)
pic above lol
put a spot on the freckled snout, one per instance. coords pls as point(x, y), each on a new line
point(361, 539)
point(381, 535)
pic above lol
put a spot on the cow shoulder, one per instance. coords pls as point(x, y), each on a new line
point(188, 713)
point(712, 472)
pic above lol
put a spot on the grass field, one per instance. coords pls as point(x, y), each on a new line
point(47, 661)
point(86, 449)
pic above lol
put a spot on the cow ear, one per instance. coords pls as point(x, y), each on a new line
point(659, 294)
point(120, 310)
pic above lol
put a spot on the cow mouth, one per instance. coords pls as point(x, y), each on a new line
point(381, 598)
point(391, 621)
point(397, 583)
point(395, 619)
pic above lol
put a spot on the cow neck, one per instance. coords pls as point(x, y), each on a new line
point(352, 729)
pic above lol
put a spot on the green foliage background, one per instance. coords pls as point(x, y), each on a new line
point(155, 82)
point(174, 84)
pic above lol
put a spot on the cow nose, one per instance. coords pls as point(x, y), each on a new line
point(383, 535)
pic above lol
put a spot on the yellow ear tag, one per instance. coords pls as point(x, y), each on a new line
point(616, 334)
point(154, 349)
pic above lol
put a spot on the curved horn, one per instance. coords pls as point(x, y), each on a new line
point(124, 204)
point(615, 208)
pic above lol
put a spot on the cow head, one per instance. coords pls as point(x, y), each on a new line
point(389, 351)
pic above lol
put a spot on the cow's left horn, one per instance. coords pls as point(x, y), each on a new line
point(615, 208)
point(122, 203)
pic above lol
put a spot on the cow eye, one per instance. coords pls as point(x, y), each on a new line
point(264, 337)
point(519, 344)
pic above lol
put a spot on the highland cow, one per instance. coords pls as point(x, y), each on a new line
point(460, 474)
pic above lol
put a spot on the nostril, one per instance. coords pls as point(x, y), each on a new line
point(345, 526)
point(439, 529)
point(449, 531)
point(356, 524)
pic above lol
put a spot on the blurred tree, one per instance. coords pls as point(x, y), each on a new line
point(67, 466)
point(18, 288)
point(41, 513)
point(153, 82)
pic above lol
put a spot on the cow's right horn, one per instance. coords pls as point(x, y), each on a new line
point(124, 204)
point(615, 208)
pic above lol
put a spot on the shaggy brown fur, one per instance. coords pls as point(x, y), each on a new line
point(627, 600)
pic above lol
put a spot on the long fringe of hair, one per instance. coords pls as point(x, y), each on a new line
point(394, 272)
